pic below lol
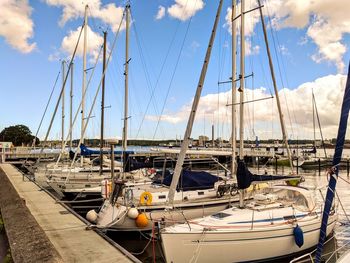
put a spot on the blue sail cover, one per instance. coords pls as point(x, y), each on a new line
point(190, 180)
point(84, 151)
point(245, 177)
point(334, 172)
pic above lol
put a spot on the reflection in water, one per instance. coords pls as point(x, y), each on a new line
point(144, 248)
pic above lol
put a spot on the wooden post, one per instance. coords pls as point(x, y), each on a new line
point(347, 167)
point(319, 166)
point(276, 164)
point(112, 161)
point(297, 164)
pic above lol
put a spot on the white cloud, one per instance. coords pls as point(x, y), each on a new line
point(184, 9)
point(326, 22)
point(328, 92)
point(161, 13)
point(16, 25)
point(94, 43)
point(73, 9)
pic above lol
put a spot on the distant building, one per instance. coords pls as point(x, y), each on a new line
point(202, 140)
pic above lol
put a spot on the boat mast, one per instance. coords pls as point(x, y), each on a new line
point(284, 131)
point(186, 139)
point(126, 85)
point(103, 100)
point(313, 118)
point(241, 98)
point(71, 108)
point(84, 81)
point(63, 88)
point(233, 87)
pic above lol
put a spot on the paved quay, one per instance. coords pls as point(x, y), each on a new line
point(41, 230)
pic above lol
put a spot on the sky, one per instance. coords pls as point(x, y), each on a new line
point(309, 43)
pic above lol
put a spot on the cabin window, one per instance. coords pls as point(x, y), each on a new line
point(201, 193)
point(162, 197)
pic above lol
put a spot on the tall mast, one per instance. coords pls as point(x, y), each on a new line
point(71, 108)
point(103, 99)
point(126, 80)
point(284, 131)
point(186, 139)
point(313, 118)
point(233, 86)
point(241, 97)
point(63, 88)
point(84, 80)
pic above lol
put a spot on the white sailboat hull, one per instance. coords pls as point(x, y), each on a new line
point(116, 216)
point(240, 246)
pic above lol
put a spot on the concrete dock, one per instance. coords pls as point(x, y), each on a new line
point(48, 233)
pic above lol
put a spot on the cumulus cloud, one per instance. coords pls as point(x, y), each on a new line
point(16, 25)
point(328, 92)
point(326, 22)
point(161, 13)
point(94, 42)
point(184, 9)
point(72, 9)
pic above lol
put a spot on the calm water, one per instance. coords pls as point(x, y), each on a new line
point(141, 246)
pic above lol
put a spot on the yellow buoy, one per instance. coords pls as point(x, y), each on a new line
point(141, 220)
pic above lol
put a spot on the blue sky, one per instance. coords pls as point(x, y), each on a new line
point(310, 40)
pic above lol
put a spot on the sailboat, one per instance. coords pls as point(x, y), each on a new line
point(140, 207)
point(282, 220)
point(308, 158)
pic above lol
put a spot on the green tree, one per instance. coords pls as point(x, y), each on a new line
point(18, 135)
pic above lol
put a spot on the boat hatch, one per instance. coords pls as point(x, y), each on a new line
point(220, 215)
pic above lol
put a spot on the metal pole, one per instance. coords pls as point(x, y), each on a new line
point(126, 80)
point(284, 131)
point(103, 99)
point(186, 140)
point(233, 88)
point(112, 162)
point(62, 104)
point(84, 81)
point(241, 98)
point(71, 108)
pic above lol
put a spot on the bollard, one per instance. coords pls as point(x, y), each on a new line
point(319, 167)
point(112, 161)
point(276, 164)
point(297, 165)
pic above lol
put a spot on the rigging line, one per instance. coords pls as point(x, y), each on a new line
point(43, 116)
point(89, 115)
point(162, 68)
point(173, 75)
point(319, 124)
point(148, 79)
point(286, 77)
point(79, 107)
point(61, 94)
point(274, 35)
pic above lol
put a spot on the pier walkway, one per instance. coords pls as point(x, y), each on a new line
point(69, 240)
